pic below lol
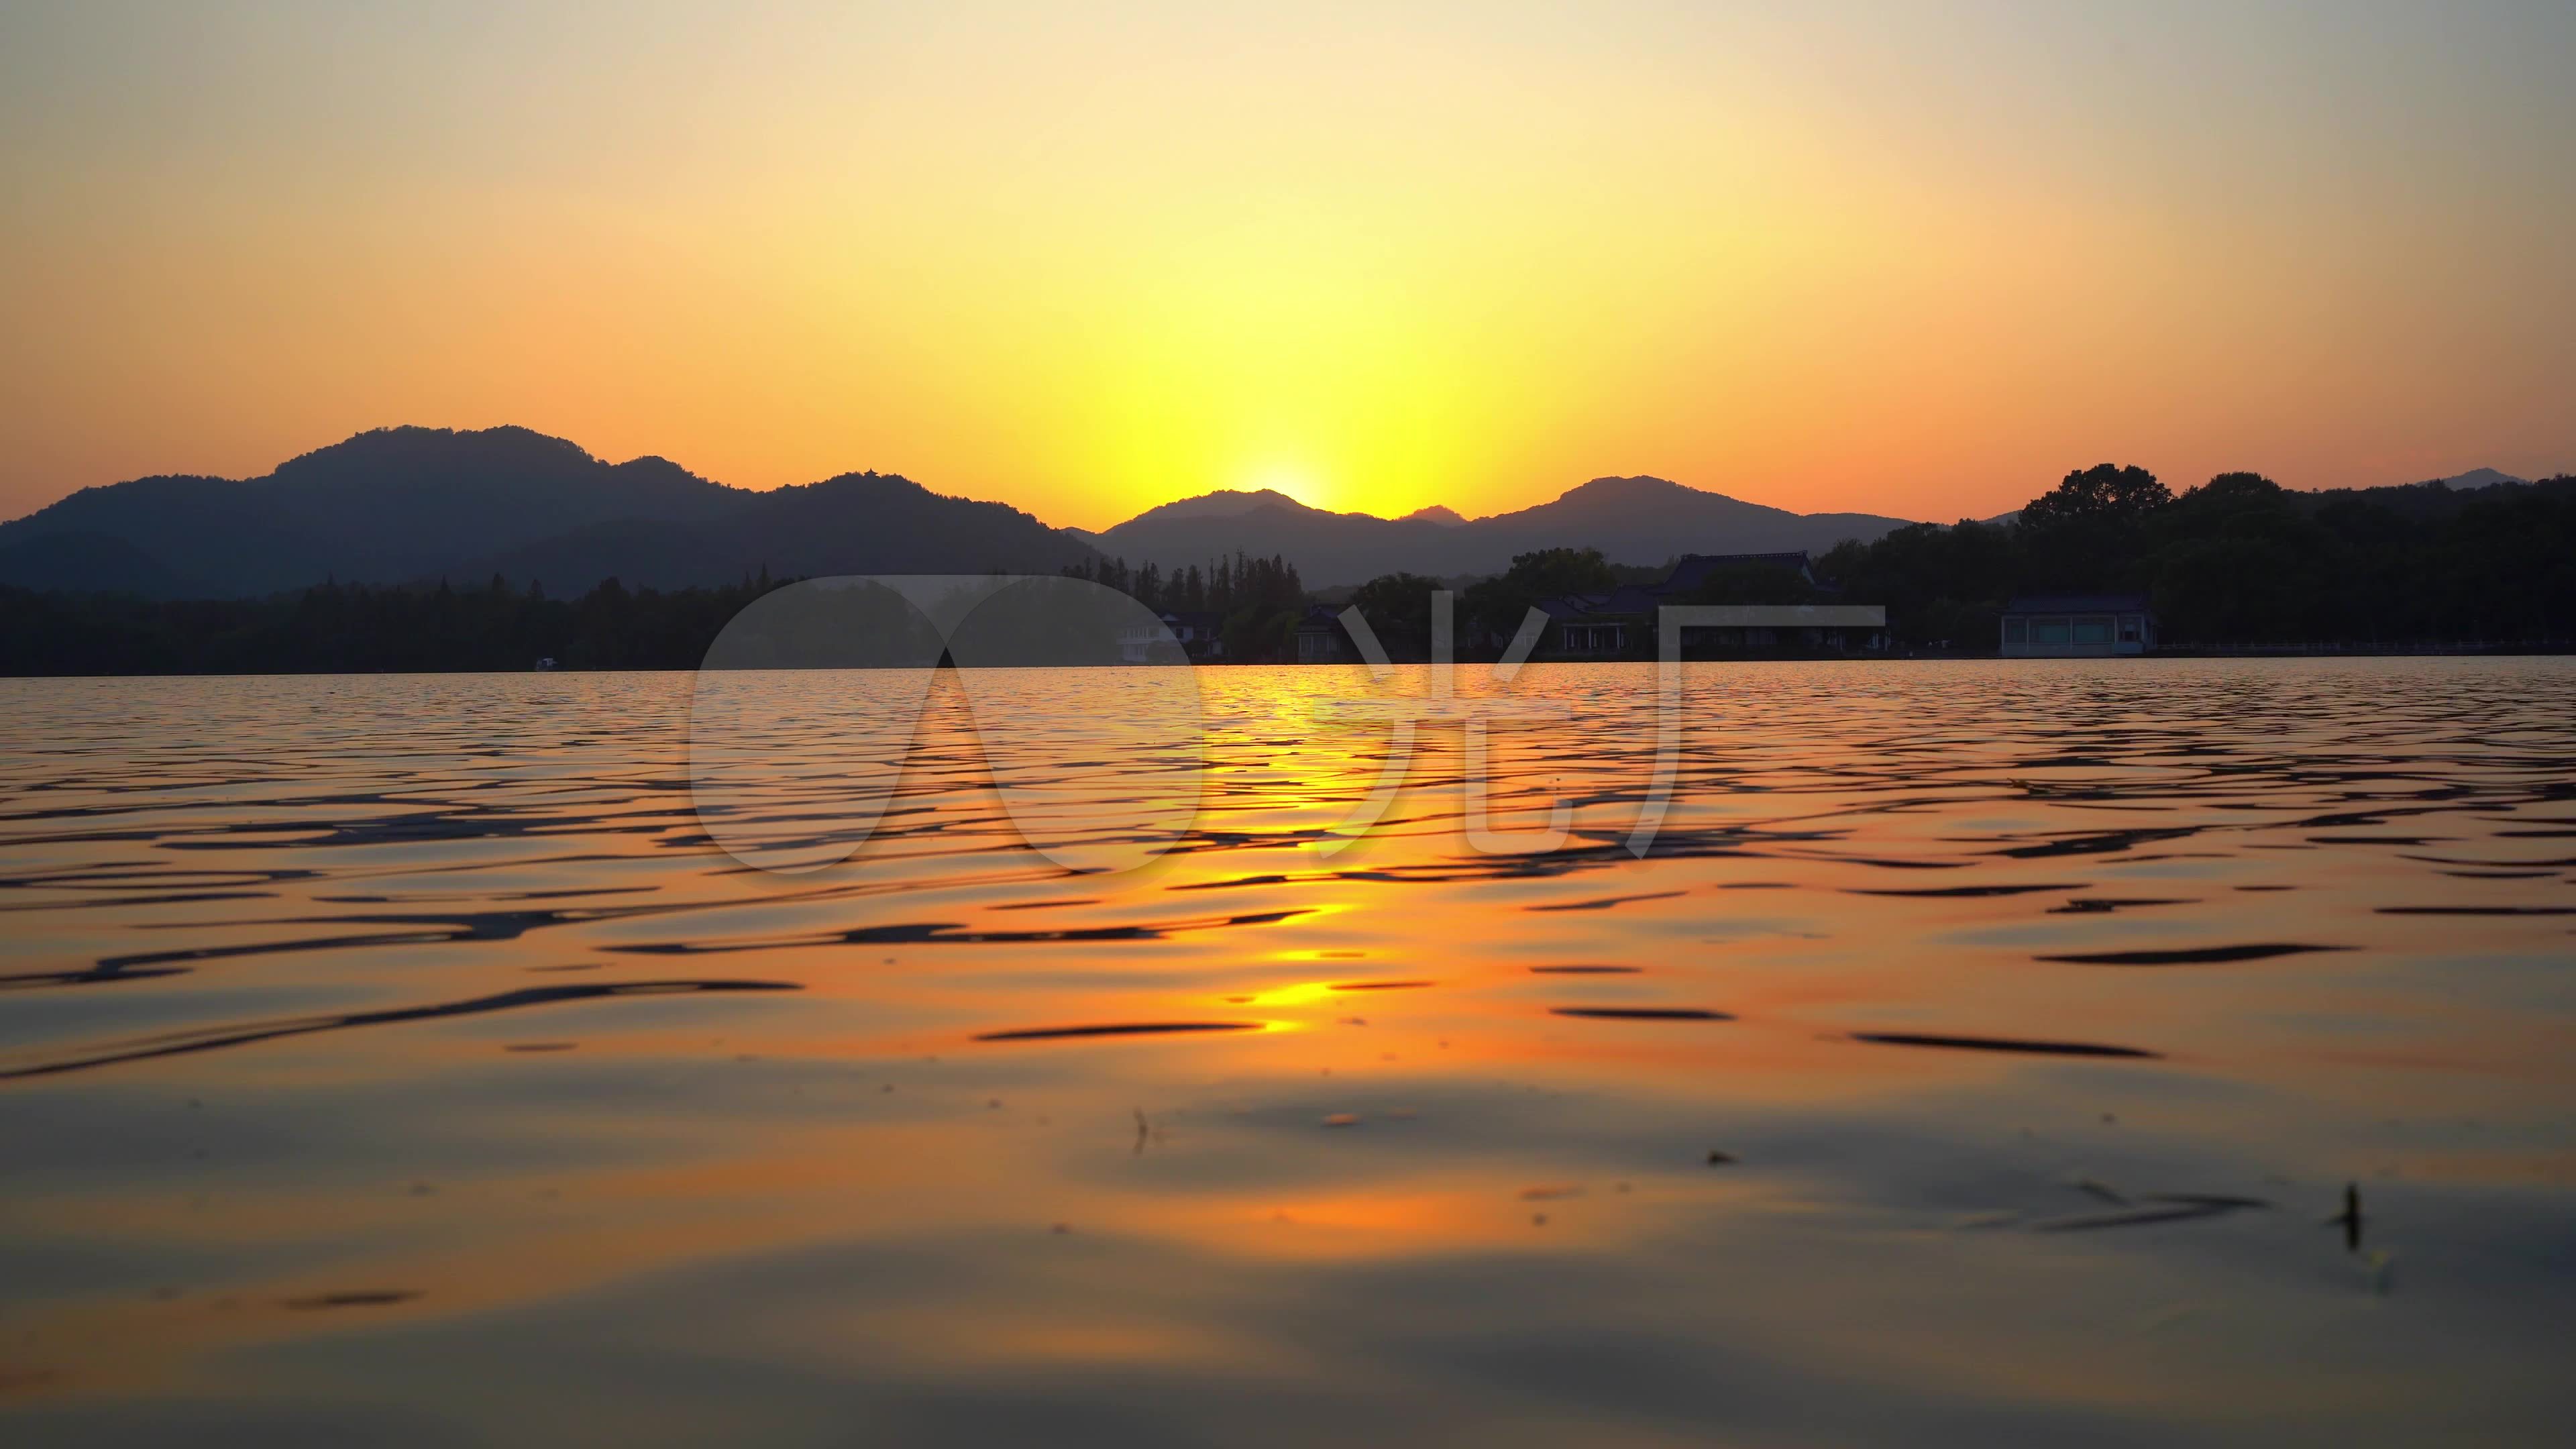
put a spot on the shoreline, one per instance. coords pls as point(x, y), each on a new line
point(2360, 651)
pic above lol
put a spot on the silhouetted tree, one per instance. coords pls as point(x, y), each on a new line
point(2103, 493)
point(1754, 583)
point(1496, 606)
point(1398, 609)
point(2242, 561)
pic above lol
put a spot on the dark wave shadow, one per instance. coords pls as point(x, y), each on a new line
point(32, 980)
point(2477, 910)
point(2001, 1044)
point(952, 933)
point(2192, 955)
point(1971, 892)
point(2107, 842)
point(2104, 905)
point(2165, 1208)
point(214, 1038)
point(354, 1298)
point(1123, 1028)
point(1642, 1013)
point(1605, 902)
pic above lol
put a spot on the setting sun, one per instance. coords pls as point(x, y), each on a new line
point(1298, 483)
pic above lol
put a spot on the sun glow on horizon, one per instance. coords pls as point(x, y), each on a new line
point(1297, 482)
point(1911, 262)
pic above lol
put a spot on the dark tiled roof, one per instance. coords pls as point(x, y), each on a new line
point(2078, 604)
point(1625, 599)
point(1692, 569)
point(1690, 572)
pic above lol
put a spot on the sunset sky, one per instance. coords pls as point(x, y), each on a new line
point(1917, 260)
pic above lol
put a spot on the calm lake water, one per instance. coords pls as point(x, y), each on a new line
point(1980, 1054)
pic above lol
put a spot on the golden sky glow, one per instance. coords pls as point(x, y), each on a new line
point(1911, 260)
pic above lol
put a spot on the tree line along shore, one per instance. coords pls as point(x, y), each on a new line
point(2237, 564)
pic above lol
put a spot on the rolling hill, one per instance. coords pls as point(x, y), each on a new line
point(1631, 520)
point(402, 505)
point(405, 504)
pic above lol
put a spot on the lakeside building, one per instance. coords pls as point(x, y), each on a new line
point(2077, 626)
point(1621, 623)
point(1195, 636)
point(1788, 629)
point(1321, 638)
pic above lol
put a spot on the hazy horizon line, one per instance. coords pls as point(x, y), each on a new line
point(2040, 487)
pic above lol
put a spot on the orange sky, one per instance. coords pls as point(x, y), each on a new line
point(1911, 260)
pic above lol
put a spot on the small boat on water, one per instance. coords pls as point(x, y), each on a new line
point(547, 665)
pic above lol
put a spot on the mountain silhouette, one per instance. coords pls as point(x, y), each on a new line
point(858, 523)
point(1631, 520)
point(1224, 503)
point(75, 560)
point(401, 505)
point(2476, 478)
point(404, 504)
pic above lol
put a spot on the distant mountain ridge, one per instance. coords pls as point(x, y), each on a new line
point(2475, 478)
point(409, 504)
point(1631, 520)
point(399, 505)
